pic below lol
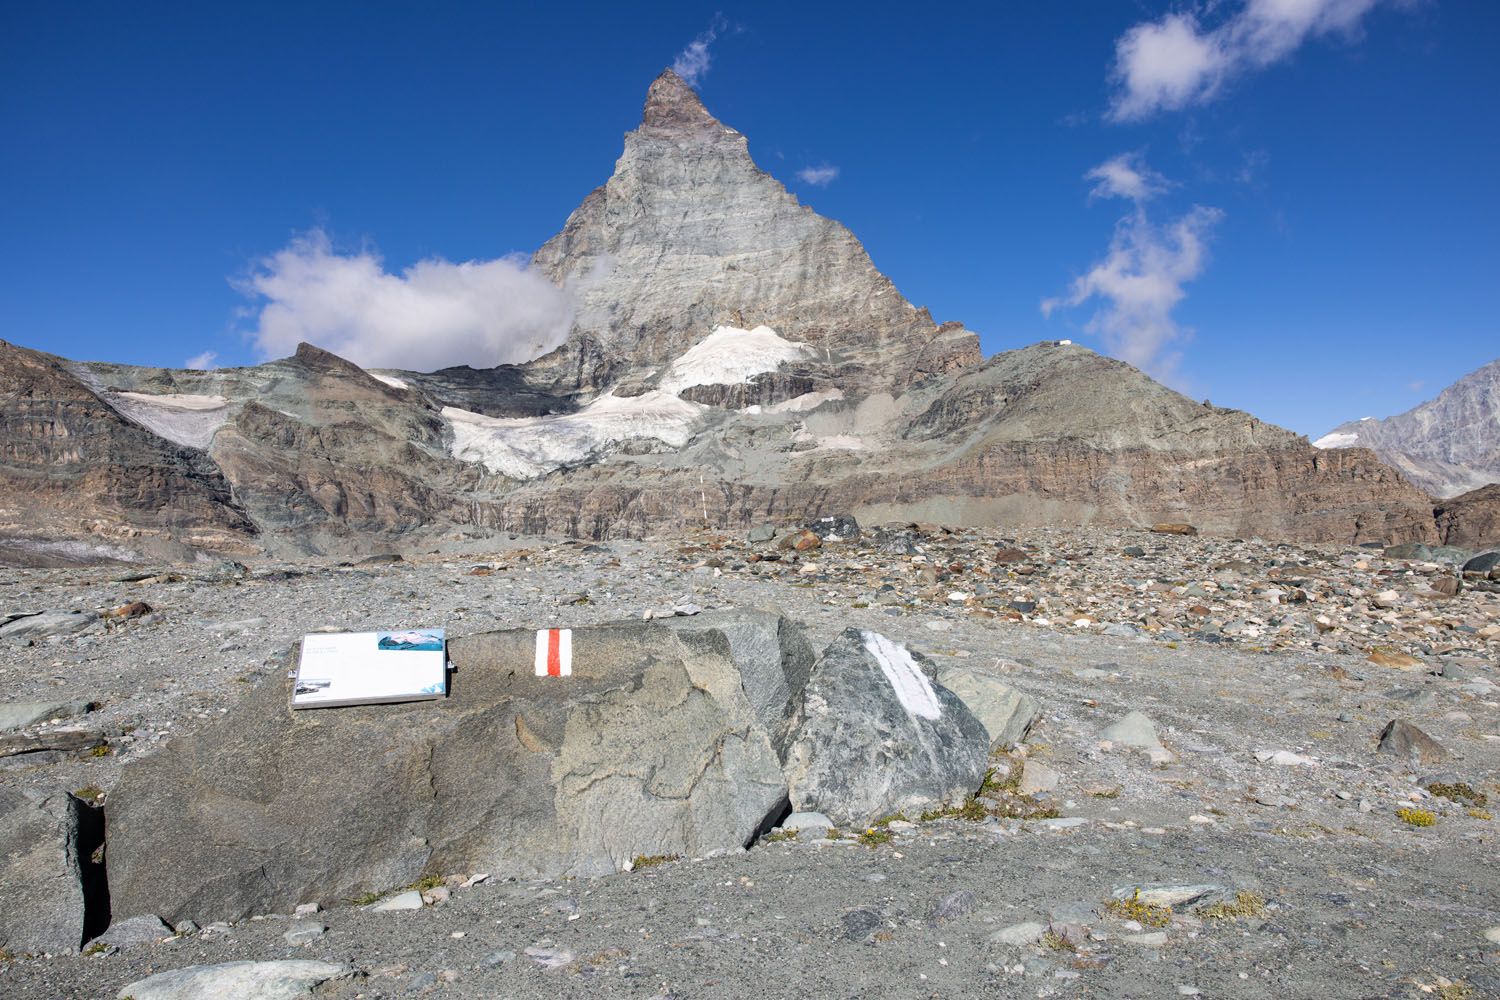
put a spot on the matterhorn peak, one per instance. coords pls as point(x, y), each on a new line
point(671, 103)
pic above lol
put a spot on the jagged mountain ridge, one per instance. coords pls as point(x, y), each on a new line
point(735, 357)
point(1447, 445)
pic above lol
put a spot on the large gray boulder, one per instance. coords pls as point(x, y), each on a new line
point(880, 735)
point(45, 840)
point(774, 658)
point(1484, 563)
point(1007, 714)
point(49, 623)
point(650, 747)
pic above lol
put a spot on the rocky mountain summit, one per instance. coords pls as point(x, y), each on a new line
point(689, 234)
point(734, 358)
point(1448, 445)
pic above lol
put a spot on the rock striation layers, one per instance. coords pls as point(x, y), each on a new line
point(734, 358)
point(1472, 520)
point(78, 478)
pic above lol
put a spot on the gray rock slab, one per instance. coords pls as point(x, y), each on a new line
point(652, 746)
point(1037, 777)
point(409, 900)
point(48, 623)
point(1019, 935)
point(41, 891)
point(1134, 730)
point(20, 714)
point(146, 929)
point(807, 821)
point(1485, 562)
point(1402, 739)
point(1409, 550)
point(287, 980)
point(1007, 714)
point(1169, 893)
point(880, 735)
point(306, 934)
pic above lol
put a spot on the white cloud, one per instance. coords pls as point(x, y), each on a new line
point(1126, 176)
point(820, 176)
point(1138, 284)
point(434, 314)
point(692, 62)
point(204, 362)
point(1176, 62)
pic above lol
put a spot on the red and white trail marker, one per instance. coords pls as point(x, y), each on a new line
point(554, 652)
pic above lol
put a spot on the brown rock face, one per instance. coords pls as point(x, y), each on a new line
point(72, 470)
point(1471, 521)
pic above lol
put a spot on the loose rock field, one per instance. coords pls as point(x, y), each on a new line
point(1252, 836)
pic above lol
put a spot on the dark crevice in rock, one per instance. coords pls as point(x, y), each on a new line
point(773, 819)
point(91, 871)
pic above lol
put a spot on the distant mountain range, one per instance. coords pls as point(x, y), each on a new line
point(734, 358)
point(1448, 445)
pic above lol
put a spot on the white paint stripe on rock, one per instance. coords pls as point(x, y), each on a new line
point(541, 653)
point(911, 685)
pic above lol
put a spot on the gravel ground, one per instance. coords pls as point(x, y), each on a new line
point(1357, 902)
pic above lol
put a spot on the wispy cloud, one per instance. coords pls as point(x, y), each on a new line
point(693, 62)
point(207, 361)
point(1140, 280)
point(1126, 176)
point(434, 314)
point(819, 176)
point(1176, 61)
point(1253, 168)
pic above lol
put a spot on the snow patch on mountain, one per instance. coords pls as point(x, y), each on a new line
point(730, 356)
point(182, 418)
point(531, 447)
point(390, 380)
point(1336, 440)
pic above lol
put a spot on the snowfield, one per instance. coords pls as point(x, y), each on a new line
point(181, 418)
point(530, 447)
point(1344, 440)
point(730, 356)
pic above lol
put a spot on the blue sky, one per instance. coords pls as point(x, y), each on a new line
point(1298, 216)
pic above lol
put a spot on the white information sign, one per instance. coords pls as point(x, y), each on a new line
point(366, 668)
